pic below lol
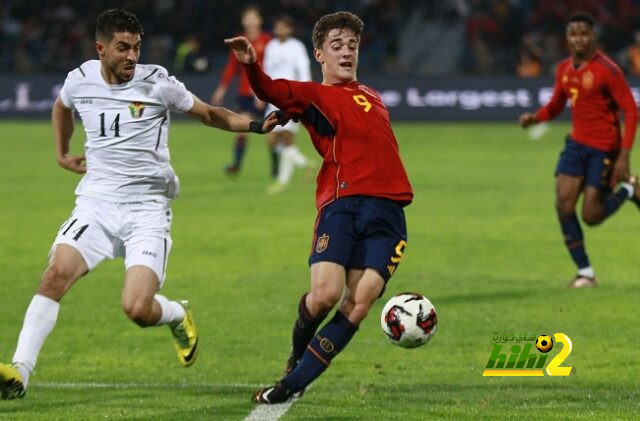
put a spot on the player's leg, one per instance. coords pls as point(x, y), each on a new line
point(380, 226)
point(598, 206)
point(599, 201)
point(81, 244)
point(287, 161)
point(245, 107)
point(568, 189)
point(147, 247)
point(273, 145)
point(327, 283)
point(363, 288)
point(66, 266)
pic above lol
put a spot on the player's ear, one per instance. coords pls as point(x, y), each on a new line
point(100, 48)
point(317, 54)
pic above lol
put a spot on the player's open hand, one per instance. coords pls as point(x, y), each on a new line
point(274, 119)
point(242, 49)
point(527, 119)
point(76, 164)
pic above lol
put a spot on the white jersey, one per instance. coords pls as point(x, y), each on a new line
point(286, 60)
point(127, 129)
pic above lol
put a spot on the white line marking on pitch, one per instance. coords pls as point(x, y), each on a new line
point(269, 412)
point(273, 412)
point(97, 385)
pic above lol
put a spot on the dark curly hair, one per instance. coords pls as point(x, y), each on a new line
point(116, 20)
point(338, 20)
point(581, 17)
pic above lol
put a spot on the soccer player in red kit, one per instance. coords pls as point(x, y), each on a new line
point(248, 105)
point(360, 232)
point(596, 154)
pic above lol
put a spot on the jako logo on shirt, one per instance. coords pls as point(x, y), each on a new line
point(136, 108)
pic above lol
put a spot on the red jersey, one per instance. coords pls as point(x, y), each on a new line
point(598, 91)
point(233, 66)
point(350, 128)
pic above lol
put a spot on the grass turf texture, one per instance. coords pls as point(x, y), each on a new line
point(484, 246)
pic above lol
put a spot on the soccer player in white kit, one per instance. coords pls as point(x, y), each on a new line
point(123, 201)
point(285, 57)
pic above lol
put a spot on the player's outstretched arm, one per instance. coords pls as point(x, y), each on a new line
point(62, 121)
point(225, 119)
point(242, 49)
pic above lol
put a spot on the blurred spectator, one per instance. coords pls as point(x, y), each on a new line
point(463, 36)
point(530, 63)
point(188, 57)
point(631, 60)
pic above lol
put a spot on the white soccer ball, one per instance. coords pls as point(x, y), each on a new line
point(409, 320)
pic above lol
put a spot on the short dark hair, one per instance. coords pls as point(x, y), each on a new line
point(582, 17)
point(338, 20)
point(286, 19)
point(251, 8)
point(116, 20)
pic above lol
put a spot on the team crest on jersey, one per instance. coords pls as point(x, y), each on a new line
point(587, 80)
point(136, 108)
point(565, 78)
point(322, 243)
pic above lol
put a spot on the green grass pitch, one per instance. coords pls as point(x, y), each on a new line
point(484, 246)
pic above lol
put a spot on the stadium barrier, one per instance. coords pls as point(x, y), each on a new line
point(412, 99)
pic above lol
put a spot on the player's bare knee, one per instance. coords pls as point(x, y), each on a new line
point(138, 311)
point(54, 281)
point(324, 300)
point(564, 207)
point(591, 218)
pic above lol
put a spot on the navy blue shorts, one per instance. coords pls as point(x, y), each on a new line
point(594, 165)
point(247, 104)
point(360, 232)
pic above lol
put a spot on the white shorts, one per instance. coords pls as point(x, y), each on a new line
point(291, 125)
point(139, 232)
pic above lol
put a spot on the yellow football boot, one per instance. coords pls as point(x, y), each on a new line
point(186, 335)
point(11, 386)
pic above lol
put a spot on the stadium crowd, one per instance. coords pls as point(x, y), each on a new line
point(424, 37)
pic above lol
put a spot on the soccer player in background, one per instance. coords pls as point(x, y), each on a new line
point(248, 105)
point(360, 232)
point(596, 154)
point(123, 200)
point(285, 57)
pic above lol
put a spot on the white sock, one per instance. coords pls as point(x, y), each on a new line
point(172, 311)
point(287, 164)
point(587, 272)
point(629, 187)
point(39, 321)
point(298, 158)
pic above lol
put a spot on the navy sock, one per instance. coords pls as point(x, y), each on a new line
point(613, 202)
point(238, 151)
point(574, 240)
point(275, 161)
point(304, 329)
point(329, 341)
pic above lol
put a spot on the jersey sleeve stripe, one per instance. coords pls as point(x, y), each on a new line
point(160, 131)
point(150, 74)
point(612, 66)
point(82, 71)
